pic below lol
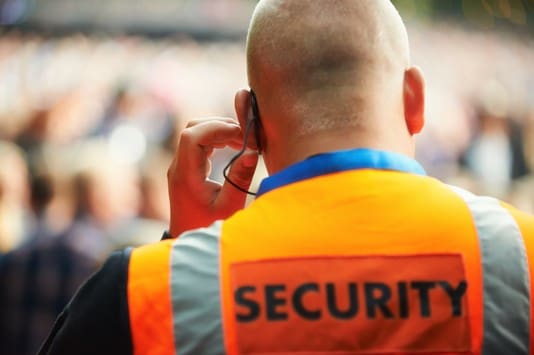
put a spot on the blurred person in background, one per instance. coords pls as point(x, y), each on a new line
point(108, 201)
point(496, 155)
point(529, 137)
point(348, 248)
point(153, 213)
point(154, 200)
point(134, 107)
point(522, 194)
point(39, 277)
point(14, 196)
point(522, 190)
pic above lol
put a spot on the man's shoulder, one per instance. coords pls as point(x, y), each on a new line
point(196, 238)
point(194, 245)
point(524, 220)
point(97, 316)
point(490, 206)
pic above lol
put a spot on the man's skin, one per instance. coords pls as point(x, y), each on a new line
point(317, 91)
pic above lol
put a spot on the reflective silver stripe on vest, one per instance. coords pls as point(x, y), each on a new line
point(505, 277)
point(195, 292)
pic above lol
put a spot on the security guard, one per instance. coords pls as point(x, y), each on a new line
point(349, 248)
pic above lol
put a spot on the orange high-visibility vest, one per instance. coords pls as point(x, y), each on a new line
point(350, 252)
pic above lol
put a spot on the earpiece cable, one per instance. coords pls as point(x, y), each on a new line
point(240, 153)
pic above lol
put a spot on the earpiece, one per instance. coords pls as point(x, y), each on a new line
point(256, 118)
point(253, 121)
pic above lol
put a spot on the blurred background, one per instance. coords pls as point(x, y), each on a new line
point(94, 93)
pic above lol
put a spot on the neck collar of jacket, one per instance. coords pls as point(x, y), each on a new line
point(338, 161)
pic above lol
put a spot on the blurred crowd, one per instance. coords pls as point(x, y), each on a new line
point(479, 132)
point(95, 120)
point(88, 127)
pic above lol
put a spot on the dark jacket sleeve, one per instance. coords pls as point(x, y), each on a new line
point(96, 319)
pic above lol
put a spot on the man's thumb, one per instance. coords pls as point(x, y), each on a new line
point(242, 170)
point(232, 198)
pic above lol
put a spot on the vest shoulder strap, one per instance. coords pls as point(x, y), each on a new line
point(505, 276)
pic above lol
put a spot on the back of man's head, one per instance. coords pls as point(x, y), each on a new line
point(326, 65)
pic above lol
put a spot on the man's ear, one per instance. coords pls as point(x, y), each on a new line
point(243, 109)
point(414, 100)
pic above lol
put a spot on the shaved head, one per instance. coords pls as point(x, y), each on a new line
point(304, 53)
point(331, 75)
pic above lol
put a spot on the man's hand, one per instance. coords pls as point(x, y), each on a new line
point(195, 200)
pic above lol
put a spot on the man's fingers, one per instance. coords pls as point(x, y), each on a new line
point(215, 133)
point(197, 143)
point(241, 173)
point(198, 121)
point(195, 200)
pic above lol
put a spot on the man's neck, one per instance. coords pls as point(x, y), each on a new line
point(300, 148)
